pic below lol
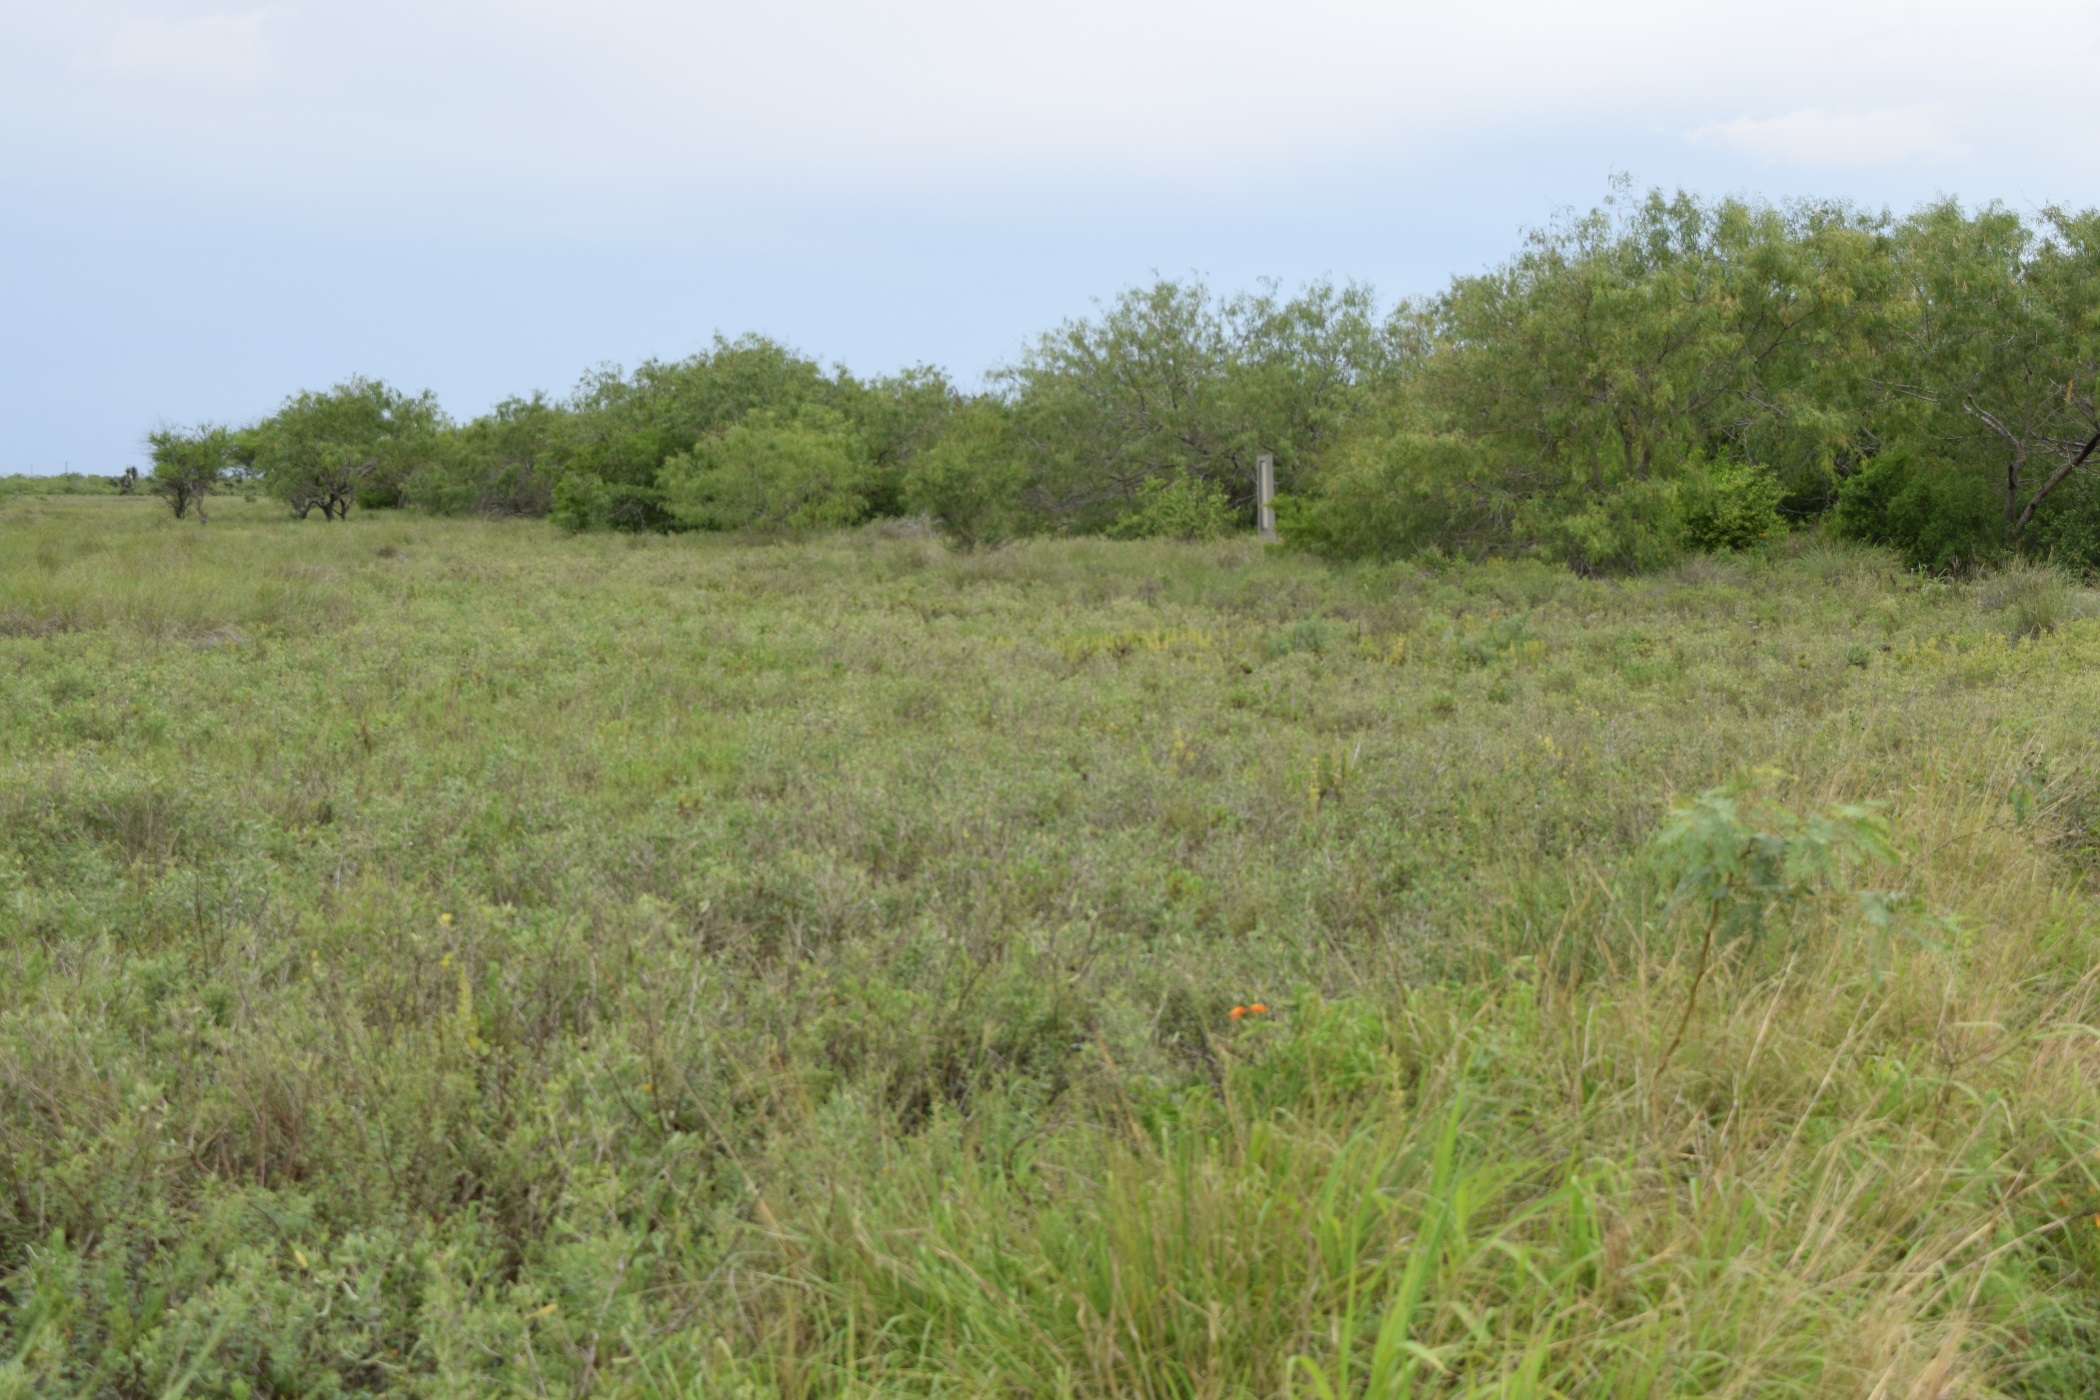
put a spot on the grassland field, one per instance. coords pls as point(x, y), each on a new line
point(454, 958)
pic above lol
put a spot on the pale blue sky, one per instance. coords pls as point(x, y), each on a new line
point(206, 207)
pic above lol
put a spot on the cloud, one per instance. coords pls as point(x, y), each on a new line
point(547, 112)
point(200, 51)
point(1817, 136)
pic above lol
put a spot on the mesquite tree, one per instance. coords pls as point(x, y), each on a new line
point(322, 449)
point(189, 464)
point(1998, 351)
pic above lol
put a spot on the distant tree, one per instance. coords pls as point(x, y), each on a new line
point(1997, 362)
point(1622, 348)
point(1174, 382)
point(360, 439)
point(626, 428)
point(189, 464)
point(1621, 343)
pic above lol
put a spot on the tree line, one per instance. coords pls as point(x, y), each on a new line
point(1660, 374)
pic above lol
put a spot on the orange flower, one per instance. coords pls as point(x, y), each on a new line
point(1237, 1012)
point(1258, 1009)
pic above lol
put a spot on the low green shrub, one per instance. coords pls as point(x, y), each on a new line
point(2067, 527)
point(1390, 496)
point(969, 483)
point(586, 501)
point(1732, 505)
point(1632, 529)
point(772, 471)
point(1178, 508)
point(1938, 518)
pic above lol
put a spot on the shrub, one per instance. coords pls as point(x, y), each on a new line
point(2067, 528)
point(1628, 530)
point(475, 484)
point(586, 501)
point(1937, 518)
point(501, 464)
point(1178, 508)
point(1390, 495)
point(772, 472)
point(1731, 506)
point(1408, 492)
point(969, 483)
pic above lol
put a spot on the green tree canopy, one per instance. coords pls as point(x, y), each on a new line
point(189, 464)
point(361, 438)
point(1997, 350)
point(506, 462)
point(1173, 381)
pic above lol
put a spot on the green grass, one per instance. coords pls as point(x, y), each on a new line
point(453, 958)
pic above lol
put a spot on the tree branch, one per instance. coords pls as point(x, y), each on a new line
point(2056, 479)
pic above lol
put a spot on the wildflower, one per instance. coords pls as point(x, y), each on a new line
point(1258, 1009)
point(648, 1088)
point(1237, 1012)
point(445, 919)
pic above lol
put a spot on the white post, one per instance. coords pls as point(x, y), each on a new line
point(1264, 494)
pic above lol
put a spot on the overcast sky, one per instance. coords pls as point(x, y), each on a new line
point(205, 208)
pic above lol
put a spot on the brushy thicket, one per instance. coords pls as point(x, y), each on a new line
point(1659, 376)
point(459, 957)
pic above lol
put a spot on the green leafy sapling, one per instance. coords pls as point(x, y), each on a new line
point(1733, 858)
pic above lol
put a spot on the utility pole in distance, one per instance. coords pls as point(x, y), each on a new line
point(1265, 496)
